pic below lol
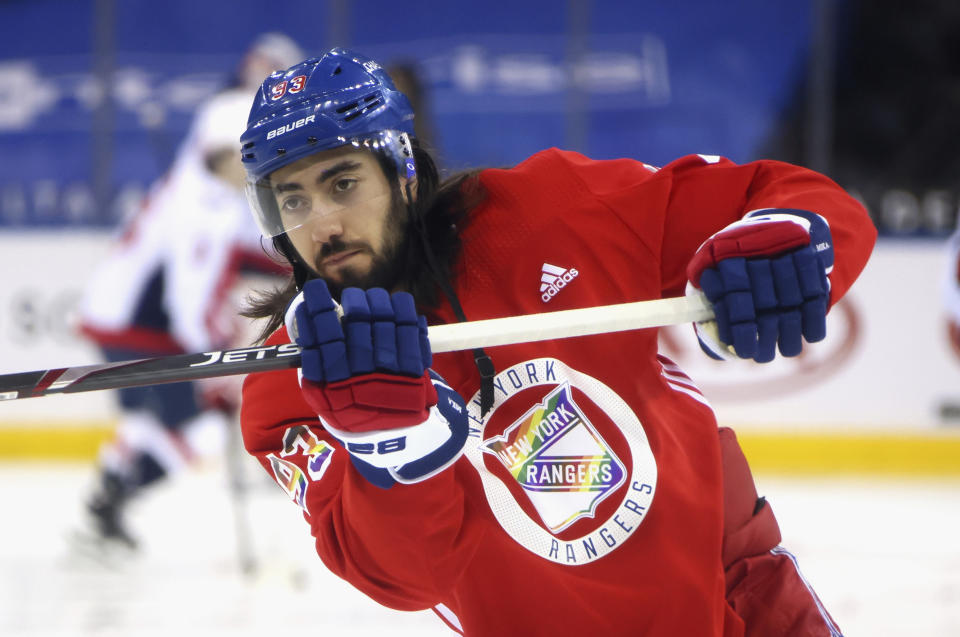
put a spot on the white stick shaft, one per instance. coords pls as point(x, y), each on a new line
point(566, 323)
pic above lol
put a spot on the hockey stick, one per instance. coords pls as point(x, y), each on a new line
point(443, 338)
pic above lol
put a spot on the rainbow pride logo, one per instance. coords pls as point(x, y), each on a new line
point(300, 441)
point(558, 458)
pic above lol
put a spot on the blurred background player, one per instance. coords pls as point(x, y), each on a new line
point(951, 289)
point(171, 285)
point(267, 51)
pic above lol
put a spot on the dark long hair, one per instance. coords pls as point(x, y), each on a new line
point(434, 222)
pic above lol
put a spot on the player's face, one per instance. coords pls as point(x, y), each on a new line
point(341, 216)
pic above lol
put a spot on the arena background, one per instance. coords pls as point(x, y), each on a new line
point(95, 96)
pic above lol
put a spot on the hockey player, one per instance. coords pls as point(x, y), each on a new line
point(575, 486)
point(165, 288)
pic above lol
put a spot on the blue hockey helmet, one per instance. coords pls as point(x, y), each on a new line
point(338, 99)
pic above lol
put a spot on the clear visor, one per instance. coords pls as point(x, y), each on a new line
point(342, 180)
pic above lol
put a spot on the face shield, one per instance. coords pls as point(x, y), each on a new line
point(342, 179)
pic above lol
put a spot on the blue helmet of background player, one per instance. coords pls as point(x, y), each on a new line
point(323, 103)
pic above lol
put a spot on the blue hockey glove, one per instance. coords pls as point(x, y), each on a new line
point(366, 375)
point(767, 278)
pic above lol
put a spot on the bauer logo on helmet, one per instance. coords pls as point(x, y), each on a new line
point(289, 127)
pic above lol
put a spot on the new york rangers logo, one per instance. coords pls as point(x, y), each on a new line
point(559, 459)
point(561, 462)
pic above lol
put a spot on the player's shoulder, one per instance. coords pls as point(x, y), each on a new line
point(558, 158)
point(568, 173)
point(271, 402)
point(257, 386)
point(278, 337)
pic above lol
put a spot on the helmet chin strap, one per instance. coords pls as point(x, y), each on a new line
point(480, 358)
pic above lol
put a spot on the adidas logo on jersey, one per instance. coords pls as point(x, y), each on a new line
point(554, 279)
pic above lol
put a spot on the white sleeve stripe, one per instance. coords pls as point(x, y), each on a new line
point(697, 396)
point(666, 363)
point(448, 616)
point(681, 380)
point(834, 629)
point(673, 369)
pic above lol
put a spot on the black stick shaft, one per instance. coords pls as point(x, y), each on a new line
point(148, 371)
point(526, 328)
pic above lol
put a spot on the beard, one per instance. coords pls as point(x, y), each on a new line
point(385, 268)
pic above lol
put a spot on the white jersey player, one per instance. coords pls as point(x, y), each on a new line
point(168, 286)
point(194, 231)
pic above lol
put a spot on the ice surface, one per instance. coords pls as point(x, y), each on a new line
point(883, 555)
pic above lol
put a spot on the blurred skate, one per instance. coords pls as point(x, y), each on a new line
point(103, 535)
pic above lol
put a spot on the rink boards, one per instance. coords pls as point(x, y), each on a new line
point(882, 393)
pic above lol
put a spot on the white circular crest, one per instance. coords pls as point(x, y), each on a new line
point(642, 474)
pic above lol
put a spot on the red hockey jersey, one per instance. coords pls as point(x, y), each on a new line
point(595, 497)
